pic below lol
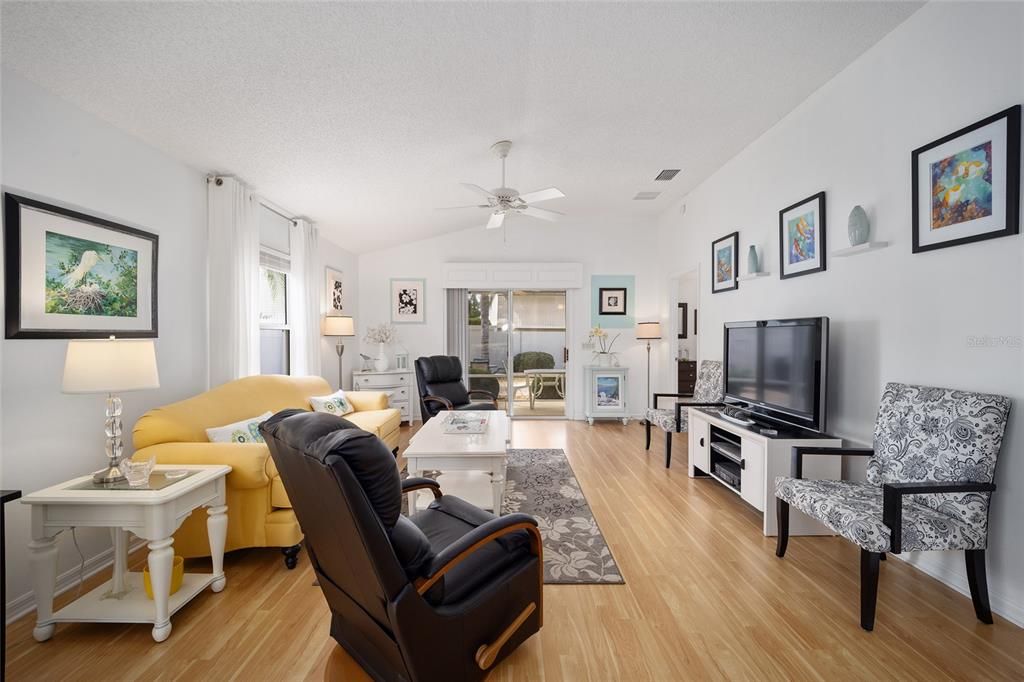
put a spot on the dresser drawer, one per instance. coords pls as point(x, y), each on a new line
point(404, 409)
point(373, 381)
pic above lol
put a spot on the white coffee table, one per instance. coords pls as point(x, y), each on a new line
point(433, 449)
point(153, 515)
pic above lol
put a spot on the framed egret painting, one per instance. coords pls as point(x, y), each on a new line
point(966, 185)
point(802, 237)
point(724, 262)
point(69, 275)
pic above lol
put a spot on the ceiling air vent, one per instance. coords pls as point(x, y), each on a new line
point(646, 196)
point(667, 174)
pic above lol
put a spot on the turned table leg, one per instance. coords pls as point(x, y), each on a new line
point(43, 560)
point(161, 562)
point(217, 530)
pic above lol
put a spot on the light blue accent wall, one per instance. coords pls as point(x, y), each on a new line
point(598, 282)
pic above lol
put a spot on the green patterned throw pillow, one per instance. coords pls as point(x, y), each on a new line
point(245, 431)
point(335, 403)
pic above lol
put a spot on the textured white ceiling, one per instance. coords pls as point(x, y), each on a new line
point(366, 116)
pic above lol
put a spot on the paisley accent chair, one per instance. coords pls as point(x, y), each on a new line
point(707, 392)
point(929, 483)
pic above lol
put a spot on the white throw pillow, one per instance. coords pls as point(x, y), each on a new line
point(335, 403)
point(245, 431)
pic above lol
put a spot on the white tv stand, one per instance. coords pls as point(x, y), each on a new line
point(761, 459)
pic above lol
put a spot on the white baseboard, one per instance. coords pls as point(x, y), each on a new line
point(26, 603)
point(1000, 605)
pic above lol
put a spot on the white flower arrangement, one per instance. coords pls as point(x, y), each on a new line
point(601, 337)
point(382, 333)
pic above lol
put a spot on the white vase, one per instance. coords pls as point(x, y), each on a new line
point(604, 359)
point(380, 363)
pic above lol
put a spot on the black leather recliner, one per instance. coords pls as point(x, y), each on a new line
point(444, 594)
point(439, 378)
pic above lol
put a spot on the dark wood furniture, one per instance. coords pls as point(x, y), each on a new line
point(687, 377)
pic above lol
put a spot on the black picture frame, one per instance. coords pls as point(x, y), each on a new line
point(619, 291)
point(12, 237)
point(822, 231)
point(1012, 116)
point(695, 322)
point(683, 319)
point(735, 238)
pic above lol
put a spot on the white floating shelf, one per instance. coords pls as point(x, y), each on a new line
point(860, 248)
point(752, 275)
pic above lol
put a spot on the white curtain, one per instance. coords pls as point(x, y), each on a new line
point(304, 298)
point(457, 332)
point(233, 258)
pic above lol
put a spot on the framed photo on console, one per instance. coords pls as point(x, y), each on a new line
point(69, 275)
point(966, 185)
point(802, 237)
point(724, 263)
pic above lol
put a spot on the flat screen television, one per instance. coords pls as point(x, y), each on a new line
point(778, 369)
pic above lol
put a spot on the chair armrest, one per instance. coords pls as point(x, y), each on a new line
point(490, 396)
point(682, 403)
point(892, 502)
point(658, 396)
point(447, 404)
point(800, 450)
point(417, 483)
point(450, 556)
point(248, 461)
point(364, 401)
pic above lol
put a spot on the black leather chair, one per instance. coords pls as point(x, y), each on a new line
point(439, 379)
point(444, 594)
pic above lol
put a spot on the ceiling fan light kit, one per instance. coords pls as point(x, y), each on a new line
point(504, 200)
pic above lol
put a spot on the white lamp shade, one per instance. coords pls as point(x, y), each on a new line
point(338, 325)
point(110, 366)
point(648, 330)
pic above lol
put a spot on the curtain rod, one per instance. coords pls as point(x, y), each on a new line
point(219, 180)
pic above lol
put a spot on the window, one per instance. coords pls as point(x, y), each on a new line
point(275, 333)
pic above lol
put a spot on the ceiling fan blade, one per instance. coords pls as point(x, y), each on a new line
point(542, 195)
point(496, 221)
point(478, 189)
point(542, 213)
point(449, 208)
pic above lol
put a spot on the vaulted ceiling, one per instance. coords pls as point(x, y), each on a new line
point(366, 116)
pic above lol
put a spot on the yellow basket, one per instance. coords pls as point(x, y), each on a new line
point(177, 575)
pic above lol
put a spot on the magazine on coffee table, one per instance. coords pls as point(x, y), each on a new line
point(465, 423)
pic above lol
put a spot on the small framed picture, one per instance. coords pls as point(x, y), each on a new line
point(70, 275)
point(966, 185)
point(802, 237)
point(335, 291)
point(611, 301)
point(408, 300)
point(725, 260)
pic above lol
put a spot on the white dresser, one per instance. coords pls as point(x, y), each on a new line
point(399, 384)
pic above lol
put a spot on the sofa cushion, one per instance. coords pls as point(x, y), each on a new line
point(278, 495)
point(378, 422)
point(335, 403)
point(244, 431)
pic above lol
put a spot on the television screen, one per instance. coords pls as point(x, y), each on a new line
point(778, 365)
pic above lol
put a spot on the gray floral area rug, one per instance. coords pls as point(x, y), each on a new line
point(541, 483)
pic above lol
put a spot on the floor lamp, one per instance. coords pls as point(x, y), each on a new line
point(341, 326)
point(648, 331)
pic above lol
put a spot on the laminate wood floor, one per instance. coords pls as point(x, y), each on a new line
point(705, 598)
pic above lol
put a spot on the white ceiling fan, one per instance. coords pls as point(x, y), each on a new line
point(505, 200)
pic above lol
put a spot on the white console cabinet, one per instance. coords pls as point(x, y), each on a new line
point(399, 384)
point(759, 459)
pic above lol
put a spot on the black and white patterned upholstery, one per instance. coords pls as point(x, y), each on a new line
point(921, 434)
point(708, 389)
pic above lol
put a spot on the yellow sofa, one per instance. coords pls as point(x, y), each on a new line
point(259, 511)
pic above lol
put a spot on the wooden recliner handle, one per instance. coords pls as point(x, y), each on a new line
point(486, 654)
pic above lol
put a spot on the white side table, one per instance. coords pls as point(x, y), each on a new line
point(153, 515)
point(607, 388)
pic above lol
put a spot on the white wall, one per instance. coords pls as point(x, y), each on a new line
point(57, 152)
point(603, 247)
point(896, 316)
point(337, 258)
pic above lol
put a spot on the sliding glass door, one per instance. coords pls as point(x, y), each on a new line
point(516, 349)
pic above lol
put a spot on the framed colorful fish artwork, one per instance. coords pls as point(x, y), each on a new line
point(802, 237)
point(966, 185)
point(724, 263)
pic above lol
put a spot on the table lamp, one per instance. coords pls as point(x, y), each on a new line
point(341, 326)
point(648, 331)
point(110, 366)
